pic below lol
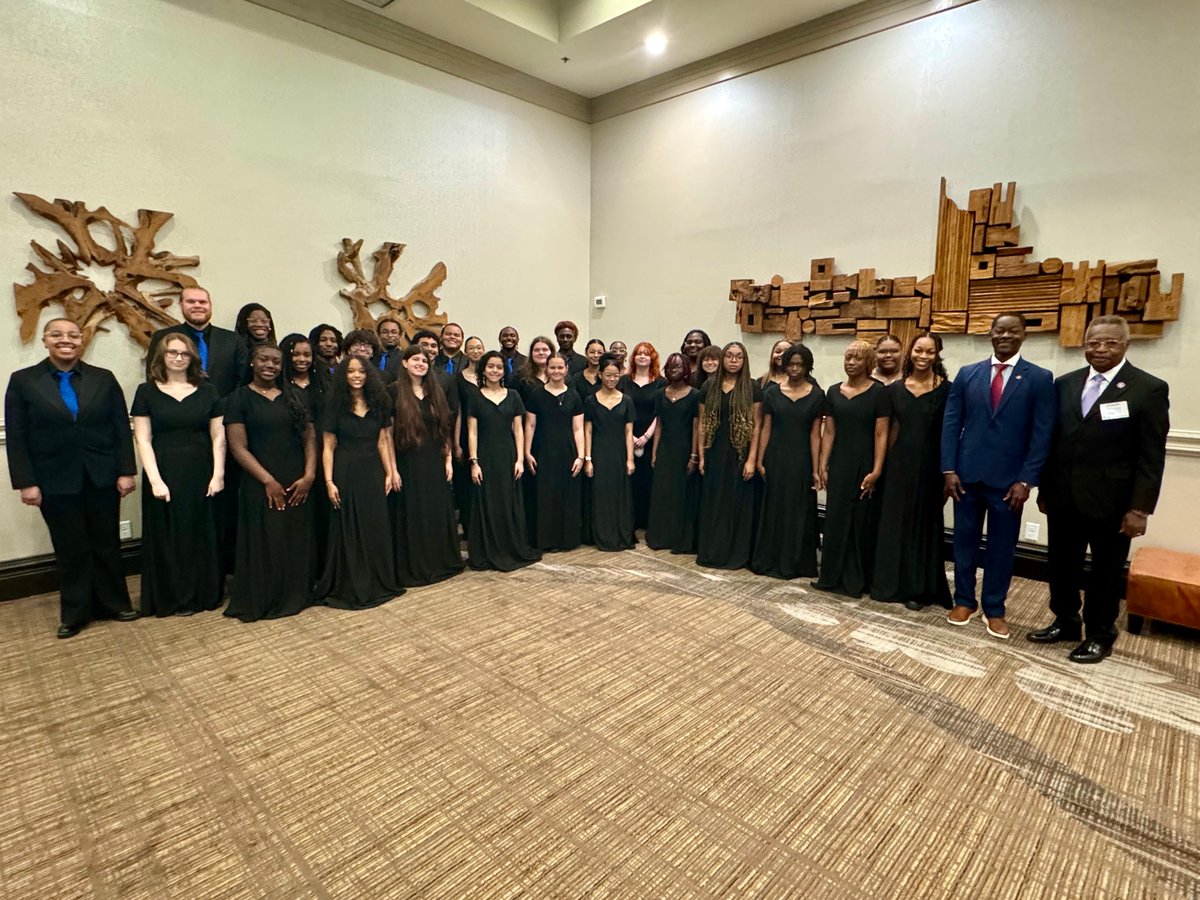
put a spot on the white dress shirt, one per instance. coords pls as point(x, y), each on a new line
point(1011, 362)
point(1109, 377)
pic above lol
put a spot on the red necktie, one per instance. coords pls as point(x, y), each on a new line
point(998, 384)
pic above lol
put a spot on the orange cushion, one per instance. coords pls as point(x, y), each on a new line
point(1164, 585)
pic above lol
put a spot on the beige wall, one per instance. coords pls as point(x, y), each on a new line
point(271, 140)
point(1088, 106)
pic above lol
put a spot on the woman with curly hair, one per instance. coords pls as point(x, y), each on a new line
point(271, 436)
point(693, 342)
point(853, 446)
point(729, 414)
point(425, 536)
point(360, 568)
point(908, 554)
point(642, 385)
point(708, 363)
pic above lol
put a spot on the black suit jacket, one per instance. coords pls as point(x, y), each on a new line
point(513, 374)
point(50, 450)
point(228, 355)
point(1104, 468)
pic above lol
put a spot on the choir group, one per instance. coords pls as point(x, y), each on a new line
point(338, 469)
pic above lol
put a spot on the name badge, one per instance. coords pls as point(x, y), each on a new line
point(1118, 410)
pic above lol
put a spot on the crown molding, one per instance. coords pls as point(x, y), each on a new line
point(841, 27)
point(378, 31)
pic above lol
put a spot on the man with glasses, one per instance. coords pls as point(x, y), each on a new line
point(224, 356)
point(70, 454)
point(389, 348)
point(1100, 485)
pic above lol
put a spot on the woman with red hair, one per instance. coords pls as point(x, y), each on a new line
point(642, 385)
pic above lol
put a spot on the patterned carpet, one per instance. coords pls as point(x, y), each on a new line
point(599, 724)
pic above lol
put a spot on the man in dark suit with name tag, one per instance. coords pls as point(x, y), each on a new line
point(995, 438)
point(1100, 485)
point(70, 454)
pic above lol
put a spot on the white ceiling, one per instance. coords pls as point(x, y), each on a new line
point(602, 38)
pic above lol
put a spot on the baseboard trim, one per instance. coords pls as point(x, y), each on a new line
point(38, 575)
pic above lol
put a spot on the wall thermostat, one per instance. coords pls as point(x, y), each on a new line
point(600, 302)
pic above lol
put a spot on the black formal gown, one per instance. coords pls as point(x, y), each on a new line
point(583, 387)
point(464, 491)
point(908, 553)
point(496, 537)
point(423, 527)
point(360, 564)
point(276, 549)
point(181, 559)
point(612, 487)
point(557, 496)
point(725, 534)
point(322, 511)
point(786, 543)
point(644, 399)
point(674, 492)
point(848, 544)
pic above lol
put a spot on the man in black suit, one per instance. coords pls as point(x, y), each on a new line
point(1100, 484)
point(70, 454)
point(566, 332)
point(451, 358)
point(389, 348)
point(224, 356)
point(514, 359)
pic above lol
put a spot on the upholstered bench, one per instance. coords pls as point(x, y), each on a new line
point(1163, 585)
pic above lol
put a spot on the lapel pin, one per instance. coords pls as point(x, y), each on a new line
point(1018, 378)
point(1121, 385)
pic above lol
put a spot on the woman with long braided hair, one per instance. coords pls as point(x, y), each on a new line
point(729, 416)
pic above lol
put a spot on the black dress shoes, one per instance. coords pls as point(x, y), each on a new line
point(914, 605)
point(127, 615)
point(1090, 652)
point(1053, 634)
point(68, 631)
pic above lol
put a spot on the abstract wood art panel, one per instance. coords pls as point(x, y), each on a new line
point(102, 241)
point(416, 310)
point(980, 269)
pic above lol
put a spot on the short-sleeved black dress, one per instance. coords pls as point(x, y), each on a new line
point(467, 392)
point(848, 544)
point(360, 564)
point(674, 492)
point(424, 533)
point(583, 387)
point(908, 553)
point(786, 543)
point(612, 487)
point(725, 535)
point(496, 537)
point(555, 515)
point(181, 562)
point(276, 549)
point(645, 399)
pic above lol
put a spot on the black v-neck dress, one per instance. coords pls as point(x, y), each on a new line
point(612, 487)
point(725, 536)
point(645, 398)
point(555, 512)
point(674, 492)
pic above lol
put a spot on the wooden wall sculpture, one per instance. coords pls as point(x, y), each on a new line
point(980, 270)
point(131, 256)
point(416, 310)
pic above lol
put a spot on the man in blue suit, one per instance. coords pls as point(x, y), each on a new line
point(995, 439)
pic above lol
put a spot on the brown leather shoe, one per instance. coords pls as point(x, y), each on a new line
point(996, 627)
point(961, 615)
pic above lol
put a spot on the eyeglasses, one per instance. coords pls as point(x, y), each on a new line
point(178, 354)
point(258, 320)
point(64, 335)
point(1107, 344)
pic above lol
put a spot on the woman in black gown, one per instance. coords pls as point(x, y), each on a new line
point(425, 537)
point(587, 382)
point(730, 411)
point(180, 439)
point(256, 326)
point(360, 565)
point(789, 448)
point(496, 537)
point(311, 381)
point(466, 388)
point(675, 457)
point(853, 448)
point(532, 373)
point(272, 437)
point(708, 364)
point(908, 554)
point(553, 460)
point(608, 460)
point(775, 373)
point(642, 385)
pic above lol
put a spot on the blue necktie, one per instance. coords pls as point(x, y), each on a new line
point(67, 391)
point(450, 366)
point(383, 361)
point(202, 349)
point(508, 365)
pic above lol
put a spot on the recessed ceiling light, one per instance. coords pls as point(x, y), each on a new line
point(656, 44)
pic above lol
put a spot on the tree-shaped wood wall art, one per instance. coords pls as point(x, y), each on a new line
point(416, 310)
point(67, 280)
point(980, 270)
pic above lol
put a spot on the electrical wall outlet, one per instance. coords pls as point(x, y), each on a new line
point(126, 529)
point(1033, 531)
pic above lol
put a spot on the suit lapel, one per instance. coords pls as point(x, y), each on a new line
point(1073, 415)
point(47, 385)
point(86, 388)
point(1113, 391)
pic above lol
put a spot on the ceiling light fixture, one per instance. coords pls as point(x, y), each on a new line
point(656, 44)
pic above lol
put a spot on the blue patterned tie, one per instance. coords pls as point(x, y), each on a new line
point(67, 391)
point(508, 365)
point(202, 349)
